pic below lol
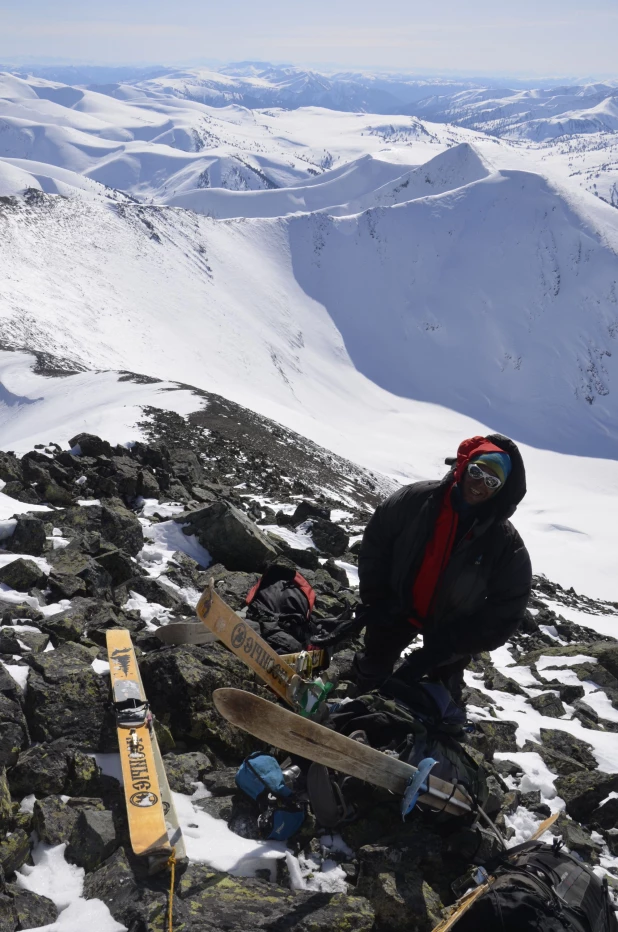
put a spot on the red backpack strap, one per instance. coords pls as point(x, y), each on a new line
point(253, 592)
point(305, 588)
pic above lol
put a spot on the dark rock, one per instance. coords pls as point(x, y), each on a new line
point(154, 590)
point(567, 744)
point(557, 762)
point(495, 680)
point(179, 683)
point(582, 792)
point(36, 641)
point(66, 698)
point(473, 845)
point(571, 692)
point(328, 537)
point(219, 807)
point(115, 523)
point(595, 673)
point(93, 839)
point(337, 572)
point(607, 656)
point(23, 575)
point(6, 810)
point(119, 566)
point(606, 816)
point(471, 696)
point(90, 445)
point(229, 537)
point(306, 510)
point(185, 769)
point(14, 851)
point(586, 714)
point(508, 768)
point(493, 736)
point(235, 587)
point(69, 564)
point(530, 800)
point(53, 820)
point(221, 782)
point(31, 910)
point(54, 494)
point(67, 625)
point(577, 838)
point(42, 769)
point(28, 537)
point(14, 734)
point(548, 704)
point(209, 901)
point(10, 468)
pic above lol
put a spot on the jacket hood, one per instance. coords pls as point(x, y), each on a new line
point(505, 503)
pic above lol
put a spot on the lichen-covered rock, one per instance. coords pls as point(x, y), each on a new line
point(208, 901)
point(66, 698)
point(568, 744)
point(582, 792)
point(14, 734)
point(489, 737)
point(548, 704)
point(53, 820)
point(41, 769)
point(179, 684)
point(556, 761)
point(185, 769)
point(92, 840)
point(75, 573)
point(577, 838)
point(22, 909)
point(23, 575)
point(14, 851)
point(115, 524)
point(6, 811)
point(393, 880)
point(28, 537)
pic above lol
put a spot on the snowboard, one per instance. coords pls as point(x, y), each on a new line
point(283, 729)
point(192, 632)
point(185, 632)
point(153, 823)
point(471, 897)
point(304, 696)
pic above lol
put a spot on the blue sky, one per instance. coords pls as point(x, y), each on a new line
point(570, 37)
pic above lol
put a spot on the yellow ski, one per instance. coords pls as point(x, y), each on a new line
point(304, 696)
point(147, 826)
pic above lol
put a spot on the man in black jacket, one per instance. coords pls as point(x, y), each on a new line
point(441, 558)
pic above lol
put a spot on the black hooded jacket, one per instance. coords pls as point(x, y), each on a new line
point(483, 591)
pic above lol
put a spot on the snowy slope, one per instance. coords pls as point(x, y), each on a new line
point(413, 325)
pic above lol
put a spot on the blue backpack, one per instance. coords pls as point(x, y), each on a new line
point(260, 777)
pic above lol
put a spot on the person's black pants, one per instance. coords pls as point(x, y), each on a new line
point(385, 640)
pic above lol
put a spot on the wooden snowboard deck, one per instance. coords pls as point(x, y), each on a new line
point(297, 735)
point(243, 641)
point(147, 827)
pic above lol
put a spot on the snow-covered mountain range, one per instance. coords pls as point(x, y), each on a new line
point(384, 286)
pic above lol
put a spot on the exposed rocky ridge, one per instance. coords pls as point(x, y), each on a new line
point(82, 569)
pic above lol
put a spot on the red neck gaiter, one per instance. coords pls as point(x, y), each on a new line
point(438, 550)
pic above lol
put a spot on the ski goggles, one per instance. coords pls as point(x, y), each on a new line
point(475, 472)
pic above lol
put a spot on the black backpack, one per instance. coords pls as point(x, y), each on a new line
point(428, 724)
point(282, 603)
point(540, 888)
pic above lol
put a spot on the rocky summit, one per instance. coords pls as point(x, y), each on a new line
point(128, 537)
